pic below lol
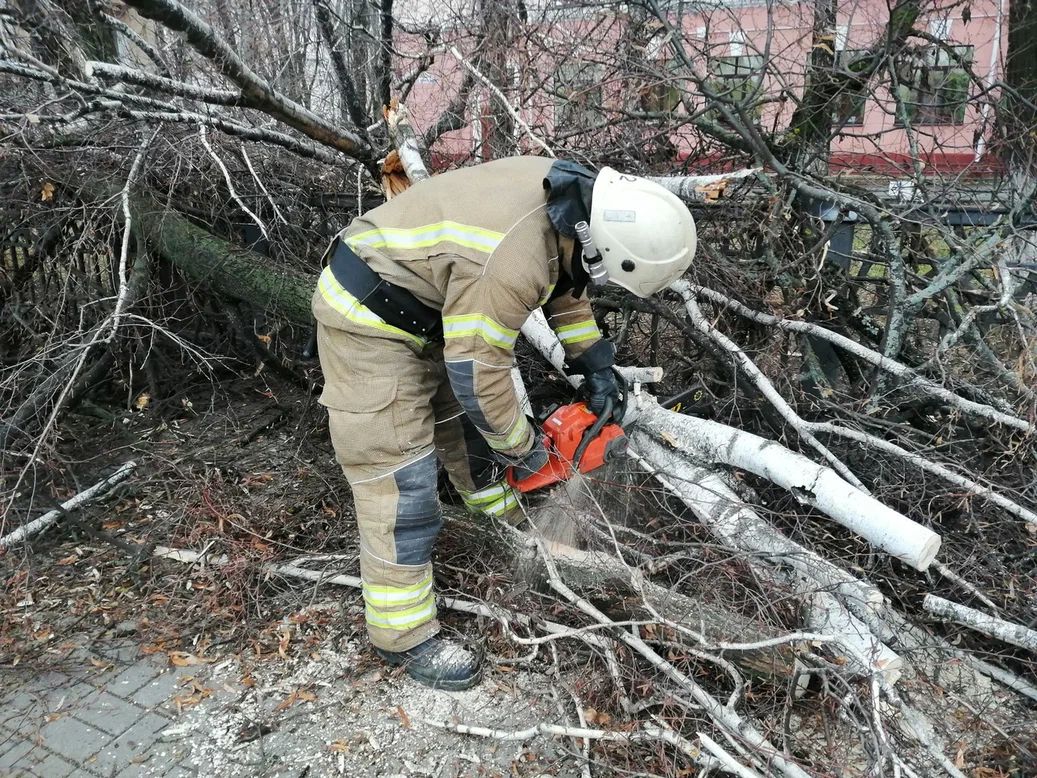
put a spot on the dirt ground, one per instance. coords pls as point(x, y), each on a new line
point(233, 471)
point(280, 671)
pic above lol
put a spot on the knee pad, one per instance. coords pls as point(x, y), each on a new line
point(418, 513)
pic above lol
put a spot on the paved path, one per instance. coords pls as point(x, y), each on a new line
point(329, 711)
point(99, 718)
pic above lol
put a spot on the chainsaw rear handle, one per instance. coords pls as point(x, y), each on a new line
point(592, 432)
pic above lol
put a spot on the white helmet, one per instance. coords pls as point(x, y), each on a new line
point(644, 233)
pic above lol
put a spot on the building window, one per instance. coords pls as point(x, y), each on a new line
point(934, 85)
point(735, 78)
point(662, 92)
point(579, 93)
point(848, 105)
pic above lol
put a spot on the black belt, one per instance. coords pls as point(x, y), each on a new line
point(397, 306)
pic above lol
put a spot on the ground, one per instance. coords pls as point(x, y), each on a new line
point(116, 710)
point(117, 663)
point(125, 666)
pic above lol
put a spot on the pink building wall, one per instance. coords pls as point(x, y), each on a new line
point(782, 33)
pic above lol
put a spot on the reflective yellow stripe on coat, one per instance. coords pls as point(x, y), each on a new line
point(337, 297)
point(477, 324)
point(428, 235)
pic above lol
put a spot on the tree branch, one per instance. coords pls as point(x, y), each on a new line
point(256, 92)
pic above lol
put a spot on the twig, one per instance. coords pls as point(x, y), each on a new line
point(911, 378)
point(46, 520)
point(500, 96)
point(730, 764)
point(203, 137)
point(766, 387)
point(262, 186)
point(556, 730)
point(949, 574)
point(132, 35)
point(124, 287)
point(722, 715)
point(257, 92)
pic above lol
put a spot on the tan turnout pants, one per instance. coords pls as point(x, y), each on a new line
point(392, 415)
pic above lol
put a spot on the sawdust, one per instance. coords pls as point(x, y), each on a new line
point(336, 711)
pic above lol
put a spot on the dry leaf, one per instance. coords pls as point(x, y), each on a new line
point(47, 192)
point(142, 401)
point(184, 659)
point(54, 717)
point(100, 664)
point(339, 745)
point(403, 716)
point(668, 439)
point(32, 118)
point(591, 715)
point(263, 339)
point(287, 703)
point(306, 696)
point(44, 634)
point(69, 560)
point(959, 758)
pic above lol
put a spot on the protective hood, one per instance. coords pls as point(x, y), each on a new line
point(569, 187)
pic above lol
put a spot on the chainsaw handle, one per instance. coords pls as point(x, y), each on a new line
point(592, 432)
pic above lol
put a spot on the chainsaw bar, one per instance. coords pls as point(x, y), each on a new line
point(691, 402)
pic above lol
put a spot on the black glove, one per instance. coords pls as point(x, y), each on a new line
point(525, 465)
point(596, 364)
point(600, 386)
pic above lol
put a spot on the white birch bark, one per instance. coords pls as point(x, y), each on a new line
point(1006, 631)
point(51, 517)
point(809, 482)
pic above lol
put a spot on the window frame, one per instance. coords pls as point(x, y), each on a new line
point(930, 105)
point(747, 75)
point(858, 100)
point(584, 106)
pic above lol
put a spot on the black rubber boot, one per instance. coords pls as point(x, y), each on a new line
point(440, 664)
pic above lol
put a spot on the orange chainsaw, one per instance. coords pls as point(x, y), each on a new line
point(577, 442)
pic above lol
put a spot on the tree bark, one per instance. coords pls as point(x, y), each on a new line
point(223, 268)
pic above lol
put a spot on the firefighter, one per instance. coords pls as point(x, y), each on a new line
point(418, 311)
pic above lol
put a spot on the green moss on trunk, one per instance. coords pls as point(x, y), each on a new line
point(223, 268)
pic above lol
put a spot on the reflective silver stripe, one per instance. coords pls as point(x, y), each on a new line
point(514, 437)
point(477, 324)
point(403, 620)
point(504, 504)
point(574, 333)
point(496, 490)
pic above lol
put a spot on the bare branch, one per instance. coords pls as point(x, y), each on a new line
point(256, 92)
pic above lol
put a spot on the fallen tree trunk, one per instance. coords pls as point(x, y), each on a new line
point(224, 269)
point(809, 482)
